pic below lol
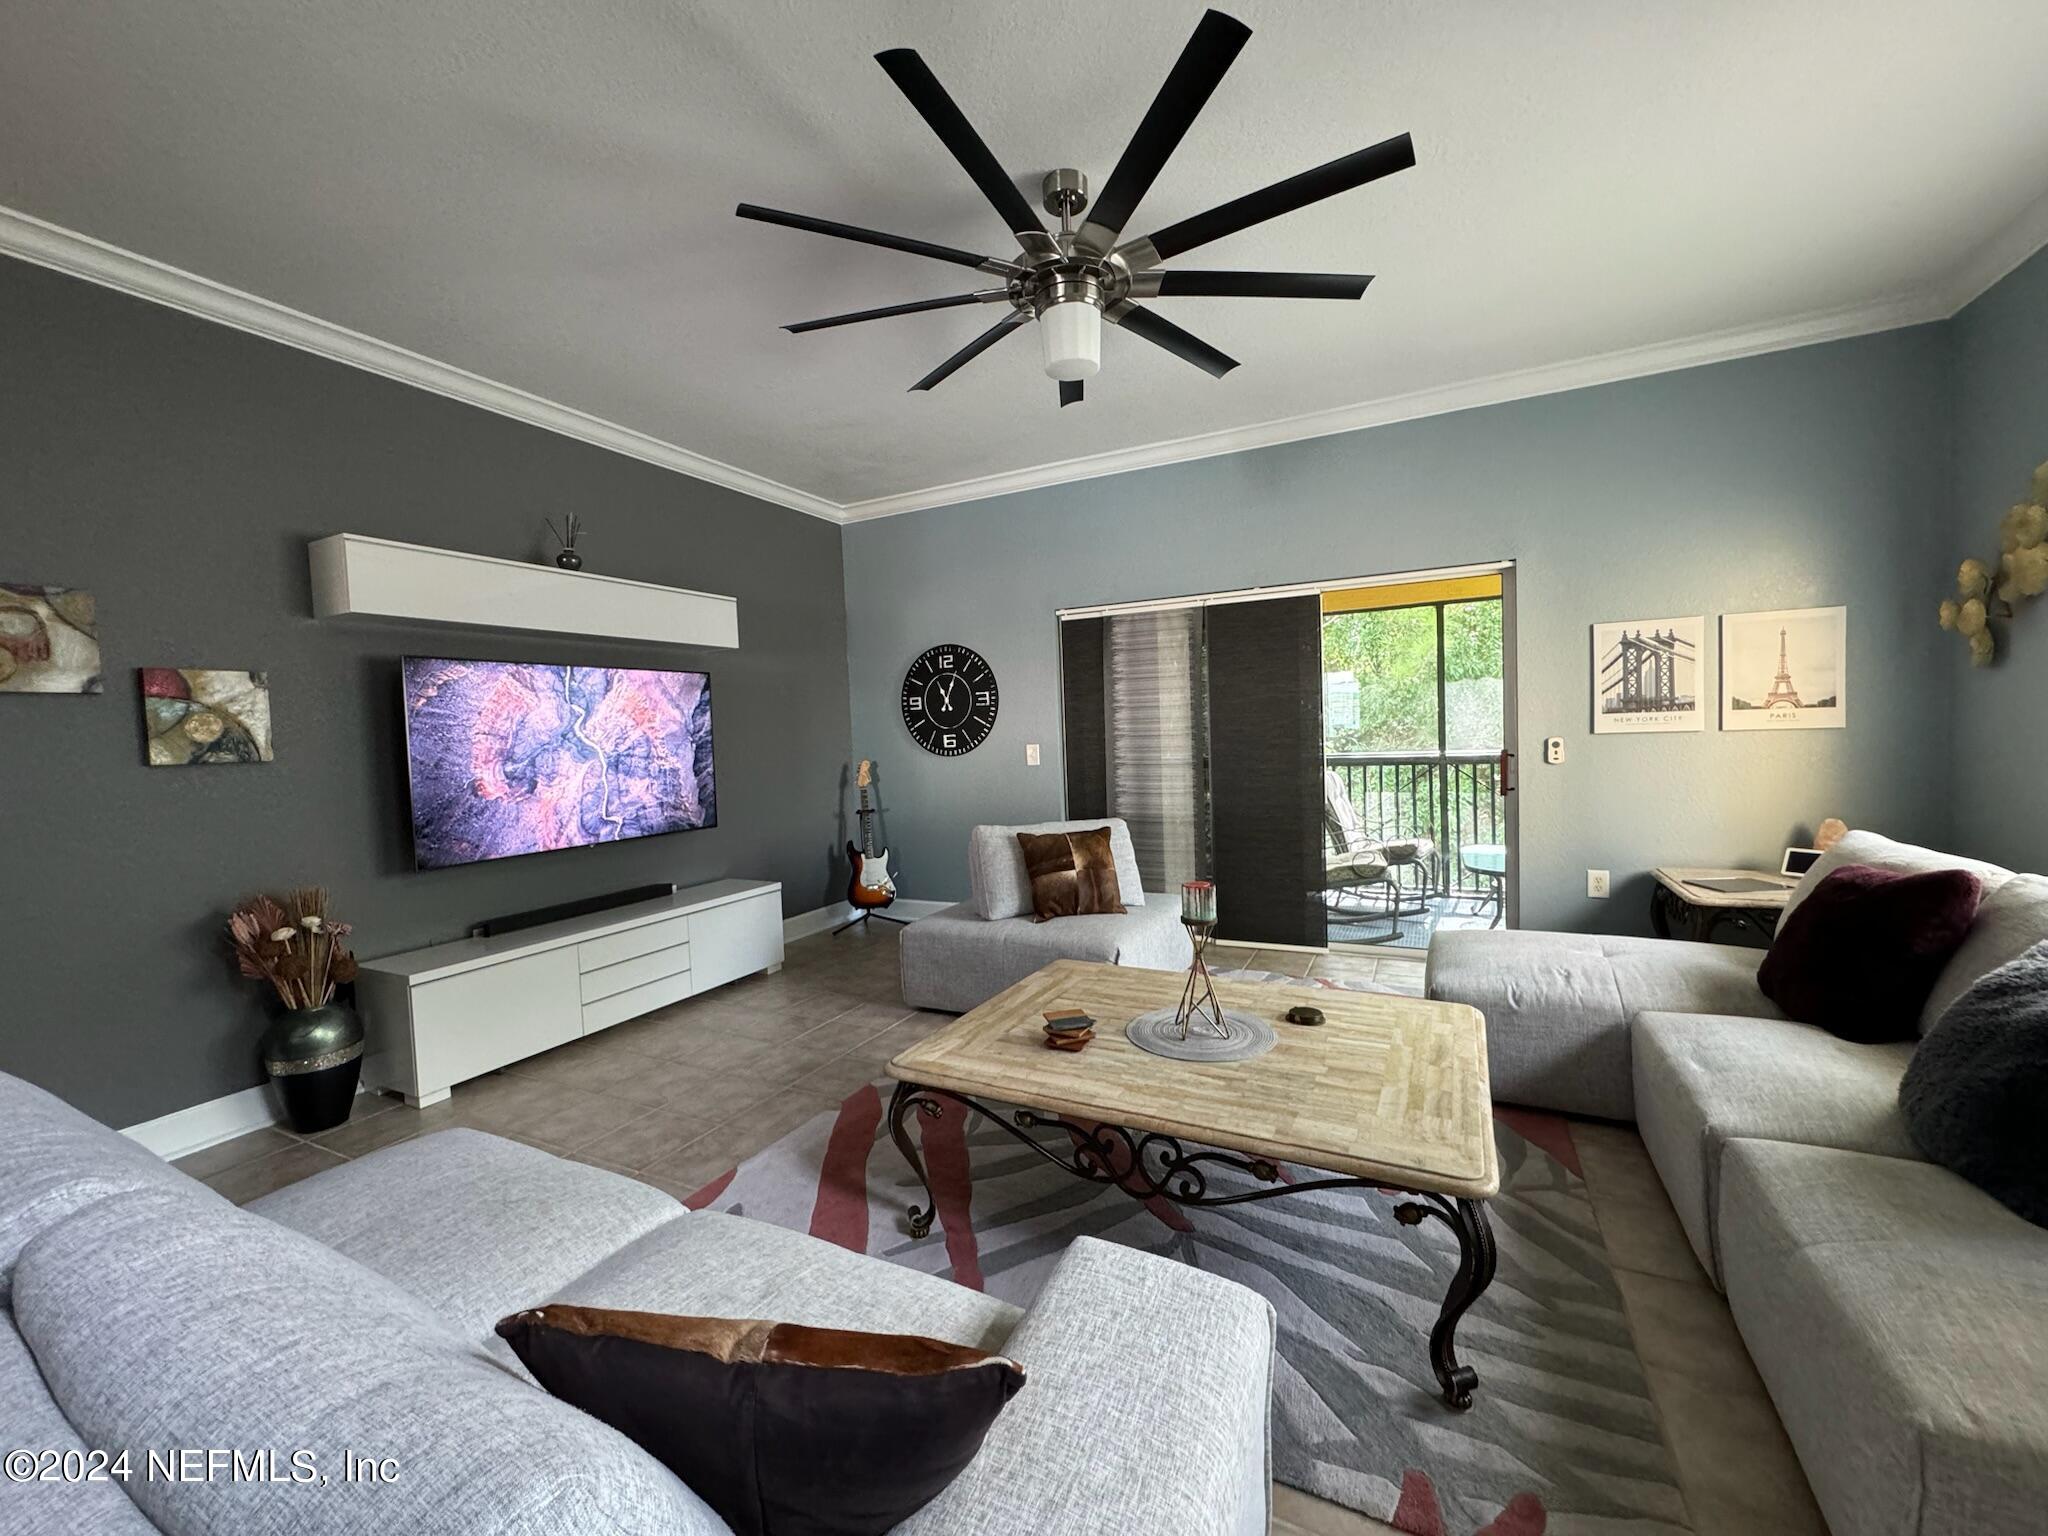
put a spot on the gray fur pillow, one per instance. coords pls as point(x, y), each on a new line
point(1976, 1094)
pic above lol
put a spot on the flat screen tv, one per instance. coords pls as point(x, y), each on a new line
point(509, 758)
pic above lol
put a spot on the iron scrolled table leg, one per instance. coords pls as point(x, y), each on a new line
point(908, 1097)
point(1476, 1257)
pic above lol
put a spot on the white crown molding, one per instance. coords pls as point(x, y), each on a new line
point(1996, 259)
point(64, 250)
point(49, 245)
point(1499, 389)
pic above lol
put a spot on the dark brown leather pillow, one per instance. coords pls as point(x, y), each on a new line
point(1073, 874)
point(783, 1430)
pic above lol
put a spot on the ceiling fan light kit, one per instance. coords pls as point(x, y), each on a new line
point(1073, 281)
point(1071, 330)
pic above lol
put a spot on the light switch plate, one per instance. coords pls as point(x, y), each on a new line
point(1596, 882)
point(1031, 754)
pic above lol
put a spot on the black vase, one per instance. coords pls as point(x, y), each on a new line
point(315, 1056)
point(569, 560)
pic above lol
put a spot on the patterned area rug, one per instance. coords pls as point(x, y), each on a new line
point(1562, 1438)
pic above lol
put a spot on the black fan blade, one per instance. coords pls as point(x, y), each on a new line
point(1251, 285)
point(1194, 77)
point(876, 237)
point(916, 81)
point(1384, 159)
point(972, 350)
point(889, 310)
point(1164, 333)
point(1070, 392)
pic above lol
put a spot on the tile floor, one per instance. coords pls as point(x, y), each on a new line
point(677, 1097)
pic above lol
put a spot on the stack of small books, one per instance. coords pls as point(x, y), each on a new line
point(1068, 1029)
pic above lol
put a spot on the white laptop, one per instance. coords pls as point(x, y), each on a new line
point(1798, 861)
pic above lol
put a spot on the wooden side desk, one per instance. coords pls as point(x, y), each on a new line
point(1681, 908)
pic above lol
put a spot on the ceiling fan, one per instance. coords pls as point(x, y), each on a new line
point(1072, 281)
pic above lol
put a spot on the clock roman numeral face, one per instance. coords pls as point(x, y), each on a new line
point(949, 700)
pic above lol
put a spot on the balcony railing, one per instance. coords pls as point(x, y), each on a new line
point(1451, 798)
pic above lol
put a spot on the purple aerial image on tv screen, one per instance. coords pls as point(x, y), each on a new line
point(510, 758)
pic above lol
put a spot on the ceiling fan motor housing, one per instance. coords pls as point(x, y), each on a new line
point(1065, 191)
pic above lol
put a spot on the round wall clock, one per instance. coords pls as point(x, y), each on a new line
point(949, 700)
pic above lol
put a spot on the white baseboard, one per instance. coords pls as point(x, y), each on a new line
point(185, 1131)
point(205, 1125)
point(825, 919)
point(817, 920)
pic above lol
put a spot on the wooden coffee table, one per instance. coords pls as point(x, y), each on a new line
point(1390, 1094)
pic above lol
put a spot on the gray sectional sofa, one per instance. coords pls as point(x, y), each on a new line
point(968, 953)
point(1897, 1314)
point(353, 1312)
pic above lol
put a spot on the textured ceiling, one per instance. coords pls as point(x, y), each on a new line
point(542, 192)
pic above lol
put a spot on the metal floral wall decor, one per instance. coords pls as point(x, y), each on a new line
point(1989, 591)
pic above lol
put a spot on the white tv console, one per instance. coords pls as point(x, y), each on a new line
point(436, 1017)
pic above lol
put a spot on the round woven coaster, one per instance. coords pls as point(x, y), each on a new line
point(1157, 1032)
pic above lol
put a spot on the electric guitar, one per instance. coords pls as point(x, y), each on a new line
point(871, 885)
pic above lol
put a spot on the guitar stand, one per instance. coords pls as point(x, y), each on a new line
point(864, 914)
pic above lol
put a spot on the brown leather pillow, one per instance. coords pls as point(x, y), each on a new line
point(783, 1430)
point(1073, 874)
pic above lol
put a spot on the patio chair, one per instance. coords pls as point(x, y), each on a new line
point(1350, 877)
point(1346, 835)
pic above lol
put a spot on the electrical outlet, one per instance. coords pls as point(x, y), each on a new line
point(1031, 754)
point(1553, 750)
point(1596, 882)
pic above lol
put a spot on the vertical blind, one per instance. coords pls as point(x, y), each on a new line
point(1202, 728)
point(1156, 712)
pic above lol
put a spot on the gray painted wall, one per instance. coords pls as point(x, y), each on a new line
point(177, 468)
point(2001, 432)
point(1801, 478)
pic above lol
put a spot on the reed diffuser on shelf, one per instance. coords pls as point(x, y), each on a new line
point(569, 558)
point(1198, 1005)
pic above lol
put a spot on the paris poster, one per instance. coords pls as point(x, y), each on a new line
point(1785, 671)
point(1646, 676)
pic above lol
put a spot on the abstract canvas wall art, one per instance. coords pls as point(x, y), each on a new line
point(1785, 670)
point(49, 640)
point(1646, 675)
point(195, 715)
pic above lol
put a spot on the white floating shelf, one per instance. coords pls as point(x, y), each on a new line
point(379, 578)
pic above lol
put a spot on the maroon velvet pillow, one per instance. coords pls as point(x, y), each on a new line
point(1860, 954)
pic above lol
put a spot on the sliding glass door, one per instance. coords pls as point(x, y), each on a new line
point(1334, 758)
point(1415, 732)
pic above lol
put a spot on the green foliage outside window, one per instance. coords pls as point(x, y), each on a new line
point(1380, 666)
